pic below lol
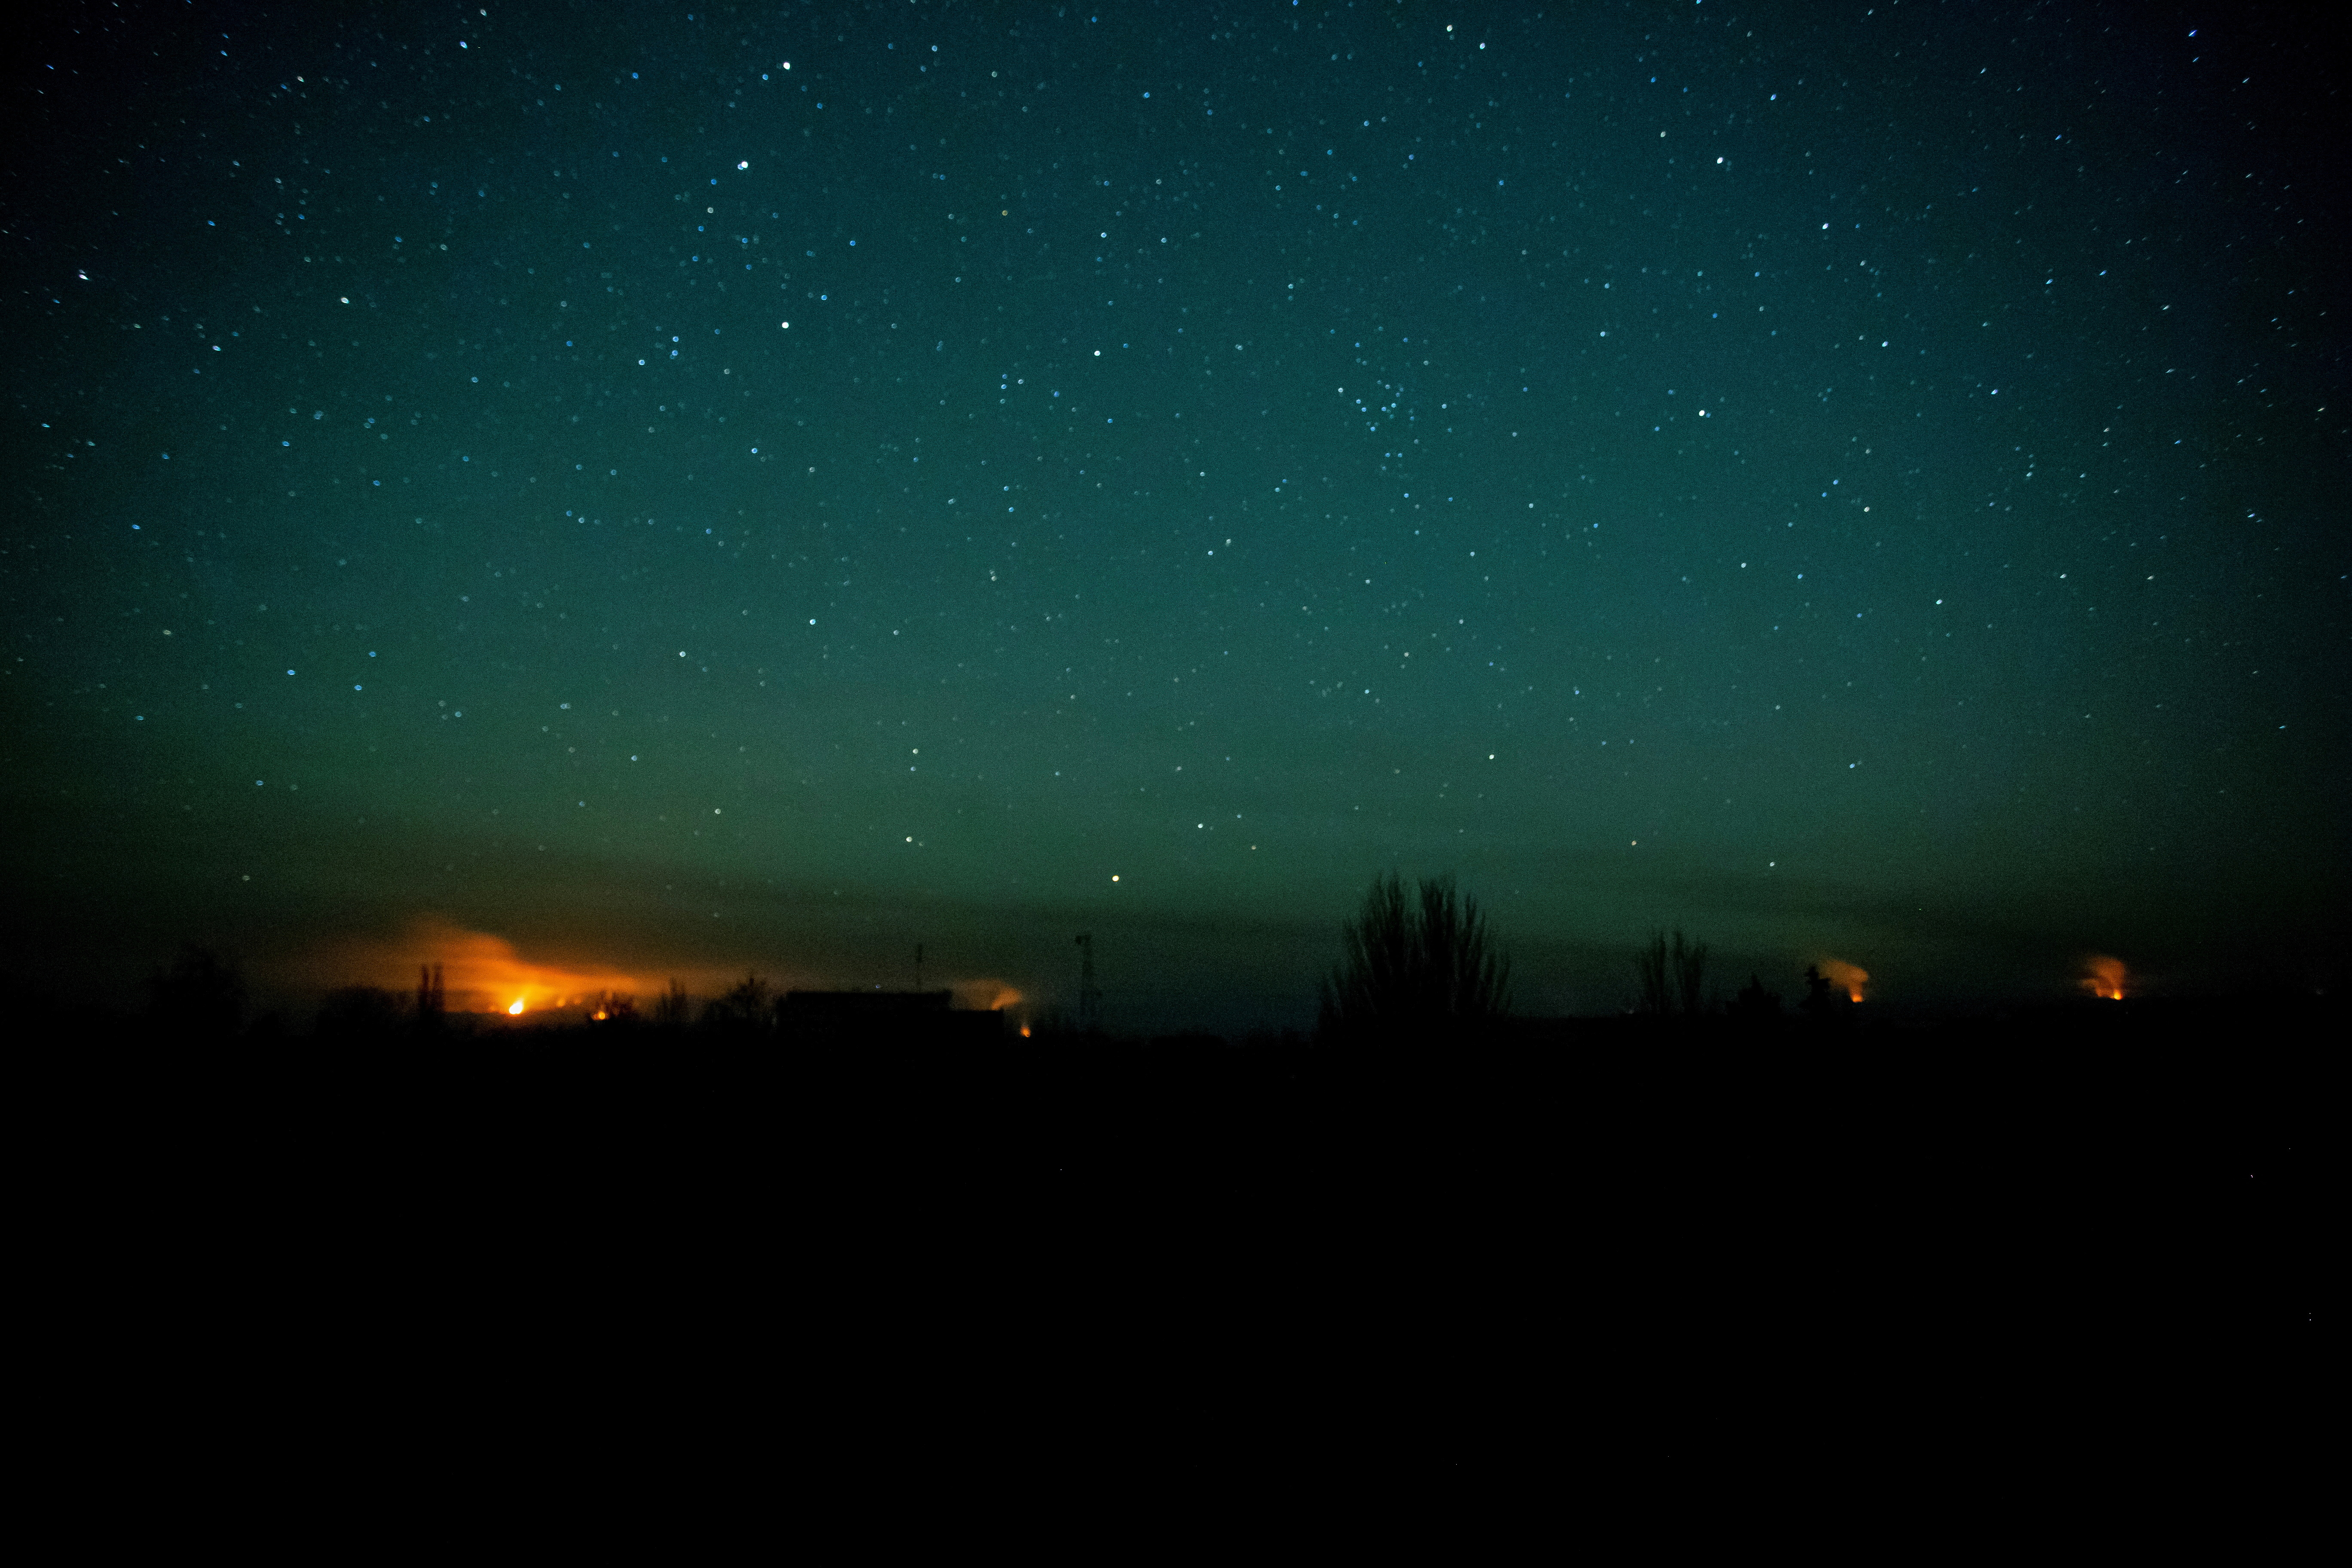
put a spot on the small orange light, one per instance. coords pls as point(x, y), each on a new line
point(517, 1008)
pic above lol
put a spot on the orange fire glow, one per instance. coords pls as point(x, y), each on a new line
point(2103, 977)
point(1851, 976)
point(482, 973)
point(985, 995)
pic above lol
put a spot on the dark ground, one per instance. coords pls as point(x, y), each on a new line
point(2073, 1234)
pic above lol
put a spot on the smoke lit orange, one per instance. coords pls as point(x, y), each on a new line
point(484, 972)
point(1851, 976)
point(485, 975)
point(2103, 977)
point(985, 995)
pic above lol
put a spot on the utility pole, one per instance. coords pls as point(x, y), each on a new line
point(918, 966)
point(1090, 999)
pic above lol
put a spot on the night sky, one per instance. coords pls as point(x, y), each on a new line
point(624, 491)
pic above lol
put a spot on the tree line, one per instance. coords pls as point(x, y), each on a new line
point(1416, 964)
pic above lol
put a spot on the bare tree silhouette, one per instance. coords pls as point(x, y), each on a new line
point(1690, 975)
point(1652, 992)
point(1412, 966)
point(747, 1005)
point(1670, 977)
point(671, 1008)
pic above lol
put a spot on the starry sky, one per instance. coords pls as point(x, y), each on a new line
point(650, 490)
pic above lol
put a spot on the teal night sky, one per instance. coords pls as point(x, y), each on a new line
point(682, 491)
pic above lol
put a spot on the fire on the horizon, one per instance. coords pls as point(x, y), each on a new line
point(1853, 977)
point(484, 973)
point(2103, 977)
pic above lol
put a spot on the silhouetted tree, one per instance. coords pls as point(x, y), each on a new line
point(1670, 977)
point(1412, 966)
point(200, 997)
point(432, 997)
point(746, 1006)
point(671, 1008)
point(1826, 1003)
point(1690, 975)
point(751, 999)
point(1653, 993)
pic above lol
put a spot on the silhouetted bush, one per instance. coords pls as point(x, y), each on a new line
point(1411, 968)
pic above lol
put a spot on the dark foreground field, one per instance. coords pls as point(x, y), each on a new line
point(1590, 1248)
